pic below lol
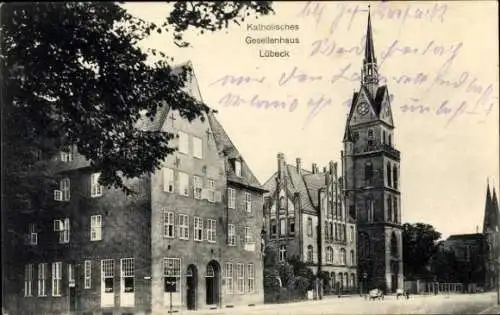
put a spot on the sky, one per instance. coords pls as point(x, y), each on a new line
point(439, 60)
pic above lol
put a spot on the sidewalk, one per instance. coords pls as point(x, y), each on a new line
point(494, 309)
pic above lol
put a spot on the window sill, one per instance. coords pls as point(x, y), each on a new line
point(212, 242)
point(184, 238)
point(96, 240)
point(169, 237)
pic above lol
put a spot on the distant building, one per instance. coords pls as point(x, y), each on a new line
point(477, 255)
point(193, 229)
point(491, 231)
point(305, 219)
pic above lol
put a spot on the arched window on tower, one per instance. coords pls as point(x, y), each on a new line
point(364, 245)
point(390, 140)
point(394, 245)
point(327, 230)
point(370, 137)
point(388, 172)
point(395, 210)
point(390, 216)
point(331, 231)
point(368, 172)
point(395, 176)
point(369, 210)
point(384, 137)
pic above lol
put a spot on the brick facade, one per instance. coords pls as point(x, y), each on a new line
point(149, 237)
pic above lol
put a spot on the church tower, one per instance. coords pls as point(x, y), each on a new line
point(370, 164)
point(491, 232)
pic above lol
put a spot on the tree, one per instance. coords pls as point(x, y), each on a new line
point(72, 74)
point(419, 245)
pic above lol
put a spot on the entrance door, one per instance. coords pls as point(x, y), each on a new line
point(394, 282)
point(191, 284)
point(72, 299)
point(212, 283)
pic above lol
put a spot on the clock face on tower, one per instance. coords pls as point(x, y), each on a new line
point(363, 109)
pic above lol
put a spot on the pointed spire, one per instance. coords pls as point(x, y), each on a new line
point(369, 73)
point(369, 50)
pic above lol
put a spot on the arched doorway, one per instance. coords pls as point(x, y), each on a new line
point(212, 280)
point(191, 286)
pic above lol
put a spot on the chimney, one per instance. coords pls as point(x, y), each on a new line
point(298, 164)
point(324, 169)
point(331, 166)
point(314, 168)
point(281, 163)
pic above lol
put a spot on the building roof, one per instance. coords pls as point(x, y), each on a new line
point(463, 237)
point(369, 49)
point(222, 140)
point(229, 150)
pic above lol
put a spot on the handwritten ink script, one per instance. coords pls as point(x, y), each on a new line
point(460, 92)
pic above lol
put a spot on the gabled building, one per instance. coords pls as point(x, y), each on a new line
point(305, 219)
point(190, 235)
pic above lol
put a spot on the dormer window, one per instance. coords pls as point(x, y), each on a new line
point(237, 167)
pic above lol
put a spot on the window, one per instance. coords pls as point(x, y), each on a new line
point(168, 224)
point(370, 137)
point(66, 155)
point(274, 228)
point(108, 275)
point(353, 280)
point(368, 171)
point(198, 229)
point(56, 278)
point(326, 230)
point(390, 216)
point(63, 228)
point(249, 236)
point(342, 256)
point(211, 231)
point(197, 186)
point(340, 279)
point(394, 245)
point(71, 275)
point(282, 252)
point(197, 147)
point(42, 279)
point(309, 253)
point(183, 227)
point(395, 176)
point(64, 190)
point(95, 187)
point(32, 234)
point(211, 190)
point(248, 202)
point(395, 210)
point(171, 271)
point(96, 228)
point(240, 275)
point(384, 137)
point(231, 197)
point(332, 232)
point(390, 140)
point(228, 275)
point(332, 276)
point(28, 280)
point(127, 274)
point(282, 202)
point(388, 172)
point(87, 274)
point(183, 142)
point(291, 225)
point(364, 248)
point(309, 227)
point(369, 210)
point(250, 278)
point(183, 184)
point(353, 261)
point(346, 280)
point(231, 235)
point(168, 180)
point(282, 226)
point(351, 234)
point(237, 167)
point(329, 255)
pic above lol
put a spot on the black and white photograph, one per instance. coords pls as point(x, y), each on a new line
point(250, 157)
